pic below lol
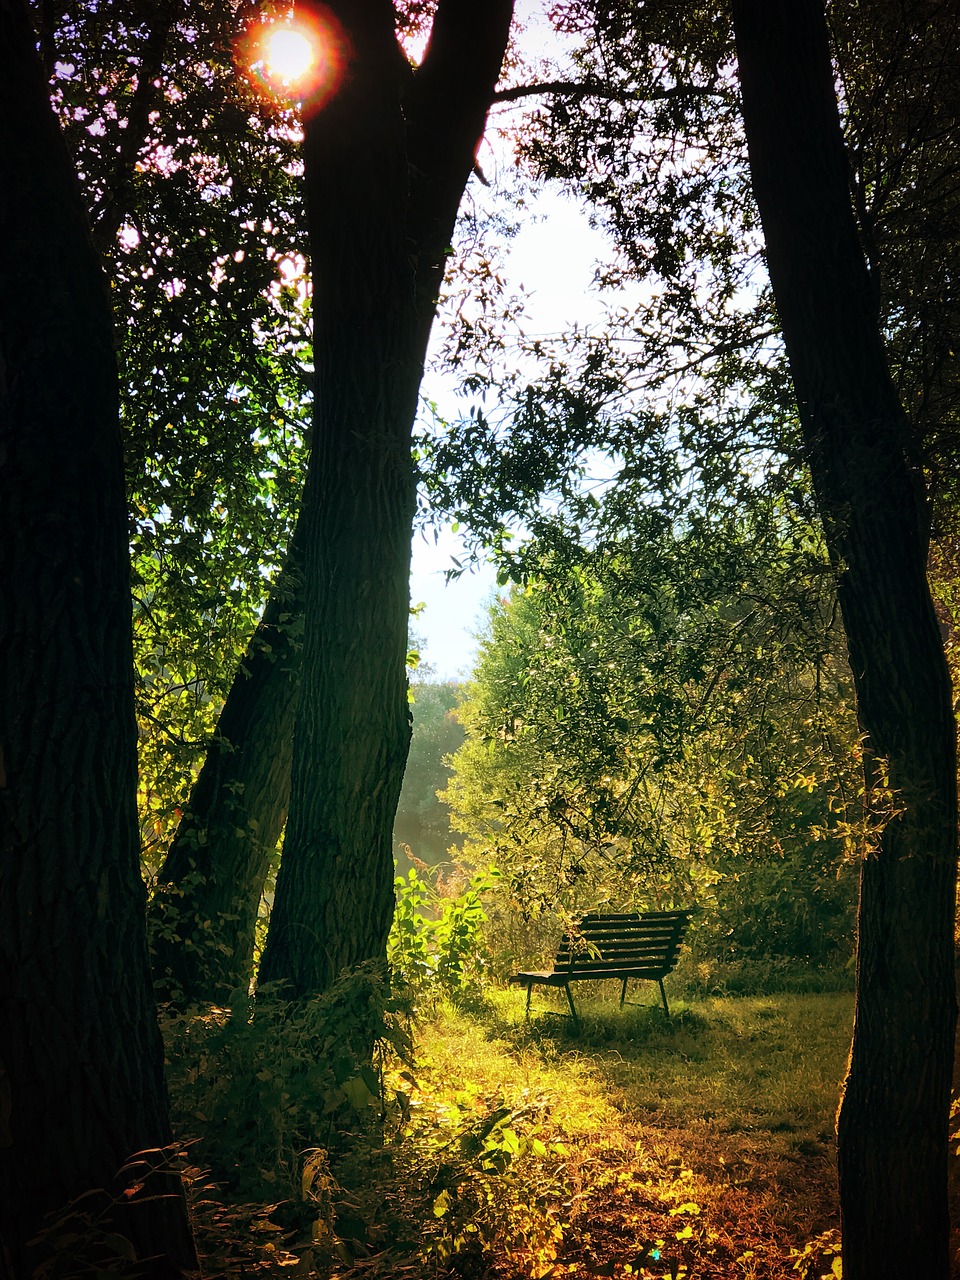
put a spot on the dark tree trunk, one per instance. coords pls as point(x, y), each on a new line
point(386, 162)
point(81, 1077)
point(892, 1128)
point(203, 916)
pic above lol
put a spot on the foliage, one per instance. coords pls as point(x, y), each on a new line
point(265, 1081)
point(667, 720)
point(900, 73)
point(436, 945)
point(191, 178)
point(652, 1142)
point(85, 1238)
point(422, 818)
point(490, 1178)
point(684, 377)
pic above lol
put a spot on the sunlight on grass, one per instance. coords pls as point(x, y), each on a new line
point(457, 1048)
point(709, 1135)
point(631, 1145)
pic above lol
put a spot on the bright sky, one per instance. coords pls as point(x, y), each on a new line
point(553, 258)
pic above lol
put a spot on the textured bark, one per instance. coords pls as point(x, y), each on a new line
point(203, 916)
point(386, 162)
point(81, 1083)
point(892, 1128)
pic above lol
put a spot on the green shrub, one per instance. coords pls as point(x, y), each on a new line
point(436, 946)
point(266, 1081)
point(484, 1180)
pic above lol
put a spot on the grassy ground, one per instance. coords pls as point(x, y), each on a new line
point(699, 1146)
point(727, 1106)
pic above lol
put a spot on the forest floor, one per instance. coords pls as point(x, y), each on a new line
point(699, 1147)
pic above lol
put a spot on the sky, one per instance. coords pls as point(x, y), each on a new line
point(552, 257)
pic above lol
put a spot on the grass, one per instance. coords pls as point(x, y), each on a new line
point(695, 1147)
point(728, 1105)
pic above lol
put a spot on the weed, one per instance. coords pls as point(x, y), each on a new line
point(436, 946)
point(699, 1145)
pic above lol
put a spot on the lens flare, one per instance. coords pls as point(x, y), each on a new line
point(295, 61)
point(288, 55)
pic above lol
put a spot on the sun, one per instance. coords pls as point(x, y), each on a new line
point(289, 55)
point(298, 60)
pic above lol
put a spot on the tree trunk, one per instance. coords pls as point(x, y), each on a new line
point(203, 915)
point(396, 148)
point(81, 1062)
point(892, 1128)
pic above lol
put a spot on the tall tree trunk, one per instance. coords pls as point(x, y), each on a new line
point(203, 915)
point(892, 1128)
point(386, 161)
point(81, 1074)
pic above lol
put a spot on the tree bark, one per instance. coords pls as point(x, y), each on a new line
point(892, 1127)
point(81, 1062)
point(386, 161)
point(203, 915)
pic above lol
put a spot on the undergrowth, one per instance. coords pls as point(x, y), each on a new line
point(699, 1146)
point(474, 1142)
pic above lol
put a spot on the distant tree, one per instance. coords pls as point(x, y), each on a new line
point(437, 733)
point(83, 1110)
point(663, 717)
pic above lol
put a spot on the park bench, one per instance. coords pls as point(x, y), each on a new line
point(624, 946)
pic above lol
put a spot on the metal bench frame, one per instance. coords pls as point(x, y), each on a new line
point(621, 945)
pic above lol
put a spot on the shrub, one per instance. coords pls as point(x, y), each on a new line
point(266, 1081)
point(436, 946)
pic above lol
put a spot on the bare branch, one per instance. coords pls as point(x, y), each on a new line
point(596, 89)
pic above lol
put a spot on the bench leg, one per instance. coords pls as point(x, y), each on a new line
point(573, 1009)
point(623, 992)
point(663, 997)
point(529, 994)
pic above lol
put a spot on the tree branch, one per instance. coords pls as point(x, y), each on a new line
point(584, 89)
point(108, 216)
point(447, 110)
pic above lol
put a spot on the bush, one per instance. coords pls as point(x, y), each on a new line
point(436, 946)
point(266, 1081)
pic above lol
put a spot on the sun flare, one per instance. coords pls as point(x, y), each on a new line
point(288, 55)
point(297, 60)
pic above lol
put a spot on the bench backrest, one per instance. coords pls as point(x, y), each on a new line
point(647, 945)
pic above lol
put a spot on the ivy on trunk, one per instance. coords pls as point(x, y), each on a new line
point(203, 915)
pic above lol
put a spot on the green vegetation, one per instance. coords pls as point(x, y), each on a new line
point(516, 1149)
point(423, 819)
point(715, 677)
point(666, 719)
point(485, 1144)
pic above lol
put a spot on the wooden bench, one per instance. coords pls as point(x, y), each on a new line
point(620, 946)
